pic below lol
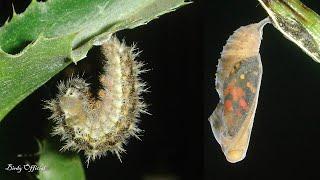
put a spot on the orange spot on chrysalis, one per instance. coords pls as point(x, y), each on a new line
point(243, 104)
point(237, 93)
point(228, 106)
point(251, 87)
point(228, 89)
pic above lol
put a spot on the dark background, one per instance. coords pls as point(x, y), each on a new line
point(285, 136)
point(182, 50)
point(171, 146)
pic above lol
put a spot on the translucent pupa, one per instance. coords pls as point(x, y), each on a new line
point(238, 81)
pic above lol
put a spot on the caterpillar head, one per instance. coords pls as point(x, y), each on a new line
point(72, 95)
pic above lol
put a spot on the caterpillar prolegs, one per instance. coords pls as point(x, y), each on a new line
point(238, 81)
point(104, 124)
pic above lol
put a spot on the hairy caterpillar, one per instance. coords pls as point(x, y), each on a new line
point(238, 81)
point(104, 124)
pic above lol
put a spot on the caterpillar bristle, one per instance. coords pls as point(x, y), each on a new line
point(103, 124)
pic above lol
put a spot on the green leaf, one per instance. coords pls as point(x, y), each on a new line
point(62, 31)
point(55, 165)
point(296, 22)
point(23, 73)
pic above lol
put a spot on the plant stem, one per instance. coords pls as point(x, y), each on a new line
point(297, 22)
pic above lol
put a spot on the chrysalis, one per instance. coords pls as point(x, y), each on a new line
point(238, 80)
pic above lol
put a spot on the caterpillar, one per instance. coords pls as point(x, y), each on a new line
point(104, 124)
point(238, 80)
